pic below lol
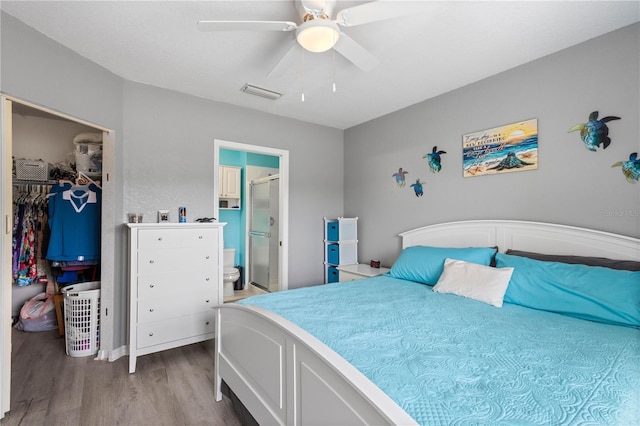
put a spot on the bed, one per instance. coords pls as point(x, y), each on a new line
point(392, 350)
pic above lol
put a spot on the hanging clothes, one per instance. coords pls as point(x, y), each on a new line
point(29, 219)
point(74, 222)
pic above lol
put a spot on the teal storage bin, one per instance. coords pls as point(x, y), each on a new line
point(333, 254)
point(333, 233)
point(333, 274)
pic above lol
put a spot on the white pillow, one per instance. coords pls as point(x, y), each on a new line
point(483, 283)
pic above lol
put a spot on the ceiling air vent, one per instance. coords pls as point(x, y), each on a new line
point(259, 91)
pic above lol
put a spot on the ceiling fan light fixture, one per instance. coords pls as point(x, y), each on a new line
point(317, 35)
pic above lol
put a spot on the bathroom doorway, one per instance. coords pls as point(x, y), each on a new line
point(237, 232)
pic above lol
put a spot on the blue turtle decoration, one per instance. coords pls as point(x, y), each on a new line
point(631, 168)
point(434, 159)
point(595, 132)
point(400, 177)
point(417, 187)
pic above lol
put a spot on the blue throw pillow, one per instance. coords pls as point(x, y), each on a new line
point(588, 292)
point(425, 264)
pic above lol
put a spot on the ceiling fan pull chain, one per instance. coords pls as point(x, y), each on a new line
point(334, 71)
point(333, 53)
point(302, 78)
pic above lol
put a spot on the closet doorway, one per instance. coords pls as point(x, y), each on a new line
point(282, 238)
point(21, 121)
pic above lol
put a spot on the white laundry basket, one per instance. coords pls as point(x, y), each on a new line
point(82, 318)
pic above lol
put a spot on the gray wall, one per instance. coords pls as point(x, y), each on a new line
point(36, 69)
point(572, 185)
point(168, 147)
point(164, 147)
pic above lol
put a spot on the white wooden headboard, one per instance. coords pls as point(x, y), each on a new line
point(537, 237)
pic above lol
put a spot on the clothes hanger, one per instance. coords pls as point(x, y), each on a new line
point(86, 178)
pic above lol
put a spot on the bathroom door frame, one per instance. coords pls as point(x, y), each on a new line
point(283, 252)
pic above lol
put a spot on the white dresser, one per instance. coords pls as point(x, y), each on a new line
point(175, 285)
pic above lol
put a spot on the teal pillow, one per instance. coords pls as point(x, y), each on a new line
point(588, 292)
point(425, 264)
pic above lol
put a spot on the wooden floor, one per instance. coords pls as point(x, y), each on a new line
point(173, 387)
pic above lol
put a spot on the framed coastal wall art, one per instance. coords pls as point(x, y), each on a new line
point(509, 148)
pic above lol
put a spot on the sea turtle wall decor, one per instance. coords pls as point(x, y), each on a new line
point(400, 177)
point(595, 132)
point(417, 187)
point(434, 159)
point(508, 148)
point(630, 168)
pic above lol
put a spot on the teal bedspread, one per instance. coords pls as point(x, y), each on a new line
point(449, 360)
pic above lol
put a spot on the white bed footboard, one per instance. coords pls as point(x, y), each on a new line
point(283, 375)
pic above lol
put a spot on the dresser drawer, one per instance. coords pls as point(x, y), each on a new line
point(183, 304)
point(198, 237)
point(171, 238)
point(159, 332)
point(155, 261)
point(159, 238)
point(174, 284)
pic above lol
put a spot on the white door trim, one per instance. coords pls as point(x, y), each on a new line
point(5, 250)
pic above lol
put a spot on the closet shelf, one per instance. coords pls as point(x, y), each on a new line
point(34, 182)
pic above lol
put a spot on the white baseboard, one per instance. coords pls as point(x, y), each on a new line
point(114, 354)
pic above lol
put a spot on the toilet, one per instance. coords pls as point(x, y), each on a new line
point(229, 274)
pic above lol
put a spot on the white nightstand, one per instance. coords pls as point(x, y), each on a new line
point(358, 272)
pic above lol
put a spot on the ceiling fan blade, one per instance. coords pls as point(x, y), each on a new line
point(286, 60)
point(378, 11)
point(246, 25)
point(355, 53)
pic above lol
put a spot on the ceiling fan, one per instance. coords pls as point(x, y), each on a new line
point(318, 32)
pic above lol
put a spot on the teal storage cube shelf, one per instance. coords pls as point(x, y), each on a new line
point(341, 244)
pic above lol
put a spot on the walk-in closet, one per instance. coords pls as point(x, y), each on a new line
point(53, 240)
point(54, 160)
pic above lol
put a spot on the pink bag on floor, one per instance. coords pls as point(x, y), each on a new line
point(38, 314)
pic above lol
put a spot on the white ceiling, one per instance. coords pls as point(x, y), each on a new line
point(449, 45)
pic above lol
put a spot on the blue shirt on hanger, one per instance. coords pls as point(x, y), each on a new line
point(74, 221)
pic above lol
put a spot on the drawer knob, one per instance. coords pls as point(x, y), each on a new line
point(159, 238)
point(200, 237)
point(152, 285)
point(151, 261)
point(207, 301)
point(151, 310)
point(207, 279)
point(207, 257)
point(207, 323)
point(151, 334)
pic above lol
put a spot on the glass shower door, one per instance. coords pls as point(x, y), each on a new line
point(264, 243)
point(259, 234)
